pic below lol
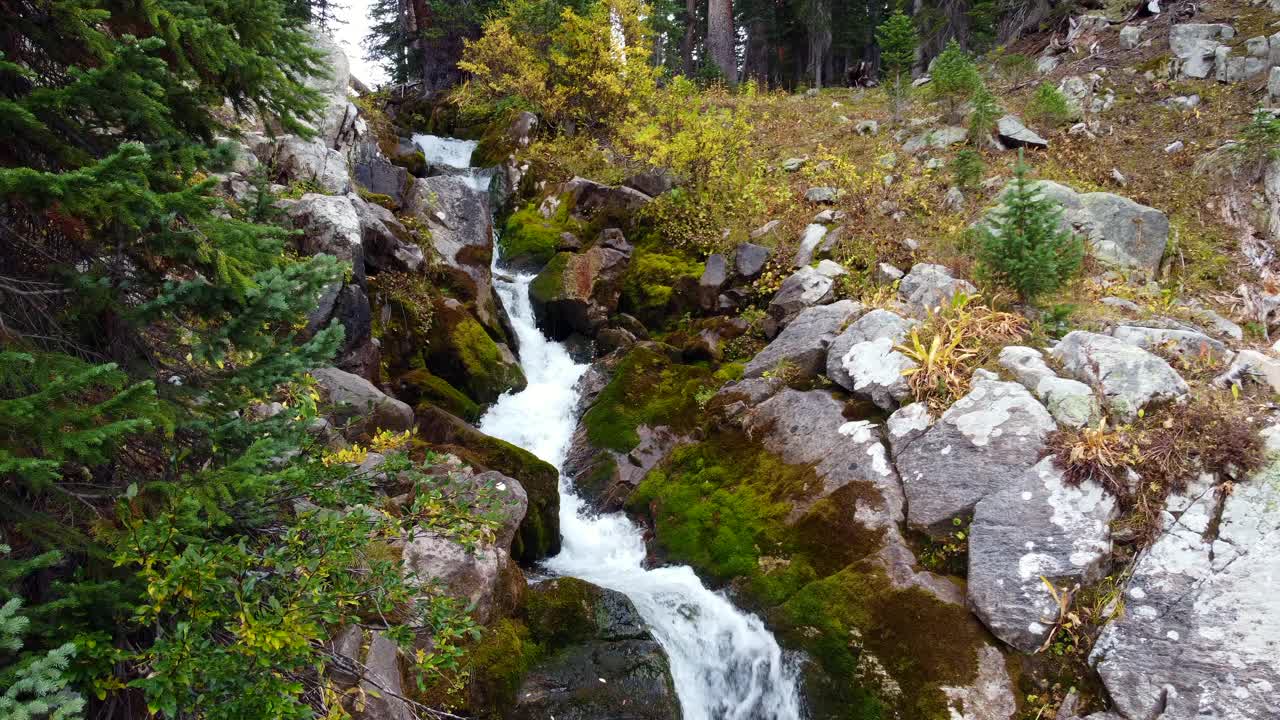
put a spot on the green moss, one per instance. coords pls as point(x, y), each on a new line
point(721, 504)
point(646, 389)
point(651, 280)
point(499, 663)
point(420, 386)
point(529, 238)
point(562, 612)
point(922, 642)
point(550, 282)
point(462, 353)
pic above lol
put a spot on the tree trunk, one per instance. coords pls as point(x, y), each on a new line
point(690, 36)
point(757, 65)
point(721, 38)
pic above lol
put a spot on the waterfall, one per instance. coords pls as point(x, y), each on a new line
point(725, 663)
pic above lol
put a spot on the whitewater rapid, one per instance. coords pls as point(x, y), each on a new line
point(726, 665)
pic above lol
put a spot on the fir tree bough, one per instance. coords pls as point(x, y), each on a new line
point(1023, 244)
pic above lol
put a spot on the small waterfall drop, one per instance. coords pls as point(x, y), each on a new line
point(725, 663)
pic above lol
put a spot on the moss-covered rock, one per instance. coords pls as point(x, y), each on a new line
point(529, 240)
point(464, 355)
point(599, 657)
point(888, 650)
point(647, 388)
point(659, 285)
point(421, 386)
point(498, 664)
point(539, 534)
point(578, 292)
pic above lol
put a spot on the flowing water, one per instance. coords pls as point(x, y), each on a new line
point(726, 665)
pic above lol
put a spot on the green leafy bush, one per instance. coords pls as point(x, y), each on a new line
point(1023, 245)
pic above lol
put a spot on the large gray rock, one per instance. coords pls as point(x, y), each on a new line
point(361, 408)
point(1187, 345)
point(298, 160)
point(474, 575)
point(1195, 45)
point(803, 344)
point(714, 276)
point(804, 289)
point(330, 225)
point(982, 443)
point(937, 139)
point(1130, 378)
point(1200, 632)
point(385, 240)
point(376, 174)
point(1120, 231)
point(591, 200)
point(809, 241)
point(1035, 528)
point(863, 359)
point(1070, 402)
point(1014, 134)
point(749, 260)
point(929, 286)
point(809, 428)
point(377, 672)
point(578, 292)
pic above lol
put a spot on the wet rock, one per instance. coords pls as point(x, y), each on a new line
point(802, 346)
point(606, 478)
point(539, 533)
point(361, 408)
point(378, 175)
point(929, 286)
point(1013, 133)
point(608, 665)
point(1130, 378)
point(1201, 625)
point(1035, 527)
point(578, 292)
point(465, 355)
point(982, 443)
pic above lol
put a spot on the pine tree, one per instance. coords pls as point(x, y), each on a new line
point(37, 687)
point(955, 78)
point(1024, 246)
point(985, 114)
point(898, 40)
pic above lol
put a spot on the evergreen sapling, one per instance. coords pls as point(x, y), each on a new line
point(1024, 246)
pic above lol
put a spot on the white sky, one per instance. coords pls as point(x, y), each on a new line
point(350, 36)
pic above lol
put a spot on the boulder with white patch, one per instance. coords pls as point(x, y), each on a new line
point(1200, 635)
point(1070, 402)
point(1034, 529)
point(929, 286)
point(981, 444)
point(805, 288)
point(803, 344)
point(863, 359)
point(1129, 377)
point(1187, 345)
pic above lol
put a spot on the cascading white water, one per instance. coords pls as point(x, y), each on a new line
point(726, 665)
point(456, 156)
